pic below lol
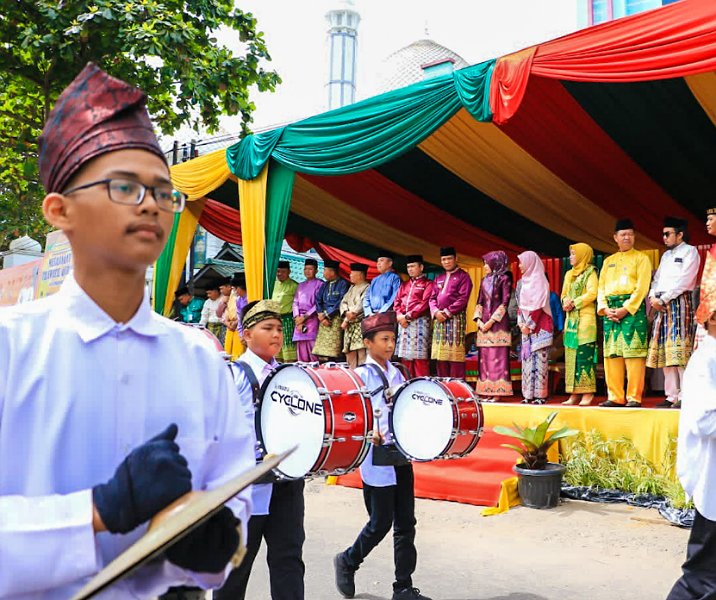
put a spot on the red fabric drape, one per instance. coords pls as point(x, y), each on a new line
point(552, 268)
point(345, 259)
point(509, 83)
point(222, 221)
point(384, 200)
point(299, 243)
point(673, 41)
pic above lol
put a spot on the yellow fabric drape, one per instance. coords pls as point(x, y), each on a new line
point(202, 175)
point(313, 203)
point(475, 273)
point(188, 221)
point(252, 206)
point(703, 87)
point(490, 161)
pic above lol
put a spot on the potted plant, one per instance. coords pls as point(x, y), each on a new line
point(539, 481)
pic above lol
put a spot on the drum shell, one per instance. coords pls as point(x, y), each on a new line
point(470, 420)
point(347, 415)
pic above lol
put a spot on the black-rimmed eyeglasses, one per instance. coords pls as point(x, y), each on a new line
point(126, 191)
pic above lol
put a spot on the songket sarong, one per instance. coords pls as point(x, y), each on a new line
point(329, 341)
point(580, 369)
point(629, 337)
point(219, 330)
point(494, 379)
point(288, 349)
point(414, 340)
point(449, 339)
point(353, 338)
point(672, 334)
point(535, 375)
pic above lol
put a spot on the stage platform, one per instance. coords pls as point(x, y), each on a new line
point(486, 474)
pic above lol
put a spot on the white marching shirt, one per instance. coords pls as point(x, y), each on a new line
point(378, 476)
point(677, 273)
point(696, 455)
point(78, 392)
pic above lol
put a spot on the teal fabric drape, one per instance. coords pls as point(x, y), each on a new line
point(279, 189)
point(369, 133)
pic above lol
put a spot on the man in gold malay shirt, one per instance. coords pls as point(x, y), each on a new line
point(623, 286)
point(283, 292)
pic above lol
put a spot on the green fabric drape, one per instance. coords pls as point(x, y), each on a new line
point(279, 189)
point(369, 133)
point(162, 268)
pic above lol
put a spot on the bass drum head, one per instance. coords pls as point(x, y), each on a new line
point(292, 414)
point(422, 419)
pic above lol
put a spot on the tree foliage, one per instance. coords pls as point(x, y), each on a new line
point(168, 48)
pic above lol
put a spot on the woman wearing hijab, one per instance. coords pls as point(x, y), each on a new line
point(493, 328)
point(579, 294)
point(534, 318)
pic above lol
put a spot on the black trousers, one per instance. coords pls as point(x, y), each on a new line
point(283, 531)
point(698, 581)
point(391, 506)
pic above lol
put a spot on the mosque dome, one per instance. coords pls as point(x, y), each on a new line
point(408, 65)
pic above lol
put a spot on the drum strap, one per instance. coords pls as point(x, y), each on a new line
point(383, 379)
point(249, 374)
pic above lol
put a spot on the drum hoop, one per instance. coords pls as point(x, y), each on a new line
point(257, 416)
point(367, 407)
point(451, 399)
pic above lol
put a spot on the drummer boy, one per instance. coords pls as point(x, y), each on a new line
point(108, 411)
point(278, 508)
point(387, 489)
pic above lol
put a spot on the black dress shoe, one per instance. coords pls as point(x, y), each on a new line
point(664, 404)
point(610, 404)
point(676, 404)
point(345, 576)
point(633, 404)
point(410, 593)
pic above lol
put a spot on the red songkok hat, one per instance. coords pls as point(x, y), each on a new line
point(94, 115)
point(378, 322)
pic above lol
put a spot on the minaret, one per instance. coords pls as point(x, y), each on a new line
point(342, 46)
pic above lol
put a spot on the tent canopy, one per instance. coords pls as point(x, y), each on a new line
point(534, 150)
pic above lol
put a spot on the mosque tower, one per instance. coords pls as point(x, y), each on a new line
point(342, 50)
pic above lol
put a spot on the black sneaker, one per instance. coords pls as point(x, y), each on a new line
point(676, 404)
point(664, 404)
point(345, 577)
point(410, 593)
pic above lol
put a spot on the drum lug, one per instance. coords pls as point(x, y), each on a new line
point(358, 438)
point(354, 392)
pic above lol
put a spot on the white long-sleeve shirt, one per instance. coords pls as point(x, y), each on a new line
point(78, 392)
point(378, 476)
point(260, 493)
point(208, 312)
point(696, 454)
point(677, 273)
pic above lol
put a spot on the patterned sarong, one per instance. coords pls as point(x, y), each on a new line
point(580, 369)
point(219, 330)
point(288, 349)
point(629, 337)
point(353, 337)
point(449, 339)
point(414, 340)
point(672, 334)
point(329, 341)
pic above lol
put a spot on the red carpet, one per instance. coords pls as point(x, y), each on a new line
point(474, 479)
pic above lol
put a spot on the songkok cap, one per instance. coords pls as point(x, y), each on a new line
point(283, 264)
point(331, 264)
point(378, 322)
point(384, 254)
point(359, 267)
point(94, 115)
point(225, 281)
point(448, 251)
point(181, 292)
point(239, 280)
point(213, 285)
point(261, 311)
point(414, 258)
point(711, 211)
point(623, 224)
point(675, 222)
point(311, 262)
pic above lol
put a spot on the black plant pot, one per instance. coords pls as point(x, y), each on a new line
point(539, 488)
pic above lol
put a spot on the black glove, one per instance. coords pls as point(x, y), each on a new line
point(209, 547)
point(150, 478)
